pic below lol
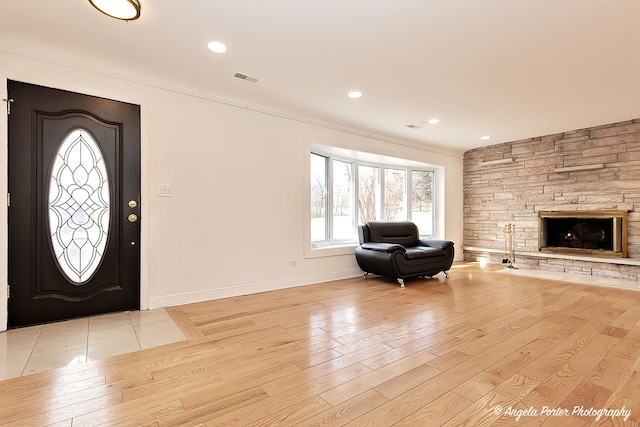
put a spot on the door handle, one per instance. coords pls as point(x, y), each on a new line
point(132, 218)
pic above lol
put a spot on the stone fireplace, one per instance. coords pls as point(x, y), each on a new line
point(586, 181)
point(597, 233)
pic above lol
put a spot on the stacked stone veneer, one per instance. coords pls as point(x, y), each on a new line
point(495, 195)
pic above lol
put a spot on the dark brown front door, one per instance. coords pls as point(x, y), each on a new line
point(74, 205)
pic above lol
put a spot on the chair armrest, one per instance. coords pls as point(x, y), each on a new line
point(383, 247)
point(440, 244)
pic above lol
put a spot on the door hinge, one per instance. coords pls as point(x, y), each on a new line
point(8, 293)
point(8, 101)
point(8, 200)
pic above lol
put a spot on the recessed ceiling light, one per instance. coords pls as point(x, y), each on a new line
point(355, 94)
point(433, 121)
point(484, 138)
point(217, 47)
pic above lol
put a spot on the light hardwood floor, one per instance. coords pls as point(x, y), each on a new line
point(471, 350)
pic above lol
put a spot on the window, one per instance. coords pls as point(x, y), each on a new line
point(368, 192)
point(318, 197)
point(79, 206)
point(346, 191)
point(422, 201)
point(342, 218)
point(395, 195)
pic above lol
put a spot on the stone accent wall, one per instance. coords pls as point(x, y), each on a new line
point(495, 195)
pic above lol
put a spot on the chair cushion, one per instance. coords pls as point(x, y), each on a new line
point(404, 233)
point(417, 252)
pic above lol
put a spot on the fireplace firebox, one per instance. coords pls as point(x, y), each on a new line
point(597, 233)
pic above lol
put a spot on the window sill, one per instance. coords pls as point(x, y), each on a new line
point(333, 250)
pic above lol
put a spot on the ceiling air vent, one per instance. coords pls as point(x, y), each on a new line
point(245, 77)
point(412, 126)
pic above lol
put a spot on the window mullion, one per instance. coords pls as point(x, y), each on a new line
point(354, 198)
point(434, 201)
point(408, 194)
point(381, 213)
point(356, 194)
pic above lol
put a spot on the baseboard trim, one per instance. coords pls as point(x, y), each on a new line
point(248, 288)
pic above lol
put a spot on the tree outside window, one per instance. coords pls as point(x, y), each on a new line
point(343, 224)
point(367, 193)
point(422, 200)
point(395, 191)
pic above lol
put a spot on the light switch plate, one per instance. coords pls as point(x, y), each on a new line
point(165, 190)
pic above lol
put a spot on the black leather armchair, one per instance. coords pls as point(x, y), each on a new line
point(394, 249)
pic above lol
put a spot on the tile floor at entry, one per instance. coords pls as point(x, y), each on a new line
point(32, 349)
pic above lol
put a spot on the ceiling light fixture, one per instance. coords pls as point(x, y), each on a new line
point(126, 10)
point(484, 138)
point(355, 94)
point(217, 47)
point(433, 121)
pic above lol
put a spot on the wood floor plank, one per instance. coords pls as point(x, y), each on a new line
point(586, 395)
point(481, 412)
point(517, 387)
point(613, 422)
point(554, 389)
point(293, 414)
point(374, 378)
point(21, 389)
point(210, 407)
point(478, 385)
point(78, 412)
point(59, 401)
point(546, 365)
point(626, 396)
point(564, 422)
point(346, 411)
point(520, 358)
point(213, 362)
point(437, 412)
point(189, 330)
point(628, 318)
point(406, 381)
point(610, 372)
point(310, 374)
point(287, 398)
point(449, 360)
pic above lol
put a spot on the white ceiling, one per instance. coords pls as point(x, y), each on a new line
point(511, 69)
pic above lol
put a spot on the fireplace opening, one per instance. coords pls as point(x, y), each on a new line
point(580, 233)
point(592, 233)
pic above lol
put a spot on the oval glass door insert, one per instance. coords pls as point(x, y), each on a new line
point(79, 206)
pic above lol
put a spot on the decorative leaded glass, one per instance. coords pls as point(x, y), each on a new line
point(79, 206)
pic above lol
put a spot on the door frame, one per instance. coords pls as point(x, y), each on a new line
point(4, 188)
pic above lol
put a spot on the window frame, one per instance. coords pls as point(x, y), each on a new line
point(331, 246)
point(326, 194)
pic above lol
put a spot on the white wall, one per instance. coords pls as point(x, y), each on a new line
point(236, 215)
